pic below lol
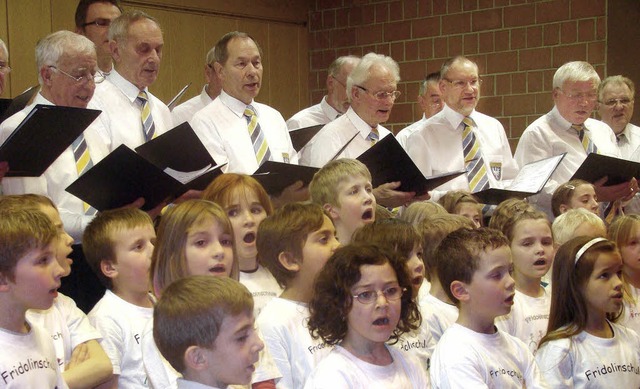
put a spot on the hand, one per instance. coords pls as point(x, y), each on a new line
point(387, 196)
point(621, 191)
point(291, 194)
point(4, 168)
point(191, 194)
point(79, 355)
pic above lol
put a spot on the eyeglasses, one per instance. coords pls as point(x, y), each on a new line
point(382, 95)
point(580, 97)
point(97, 78)
point(461, 84)
point(99, 22)
point(391, 293)
point(4, 68)
point(339, 82)
point(613, 102)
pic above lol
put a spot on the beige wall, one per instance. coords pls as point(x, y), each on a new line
point(190, 28)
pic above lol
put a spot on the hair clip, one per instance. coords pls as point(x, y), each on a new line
point(586, 247)
point(568, 186)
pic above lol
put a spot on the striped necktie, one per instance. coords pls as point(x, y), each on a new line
point(473, 161)
point(83, 164)
point(373, 136)
point(148, 127)
point(260, 146)
point(588, 145)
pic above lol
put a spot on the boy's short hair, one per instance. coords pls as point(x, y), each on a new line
point(565, 225)
point(452, 199)
point(505, 211)
point(383, 212)
point(459, 255)
point(191, 312)
point(563, 193)
point(324, 186)
point(286, 231)
point(391, 234)
point(28, 200)
point(22, 230)
point(432, 231)
point(420, 210)
point(97, 241)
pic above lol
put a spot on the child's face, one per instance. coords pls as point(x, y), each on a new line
point(471, 211)
point(374, 322)
point(603, 289)
point(318, 248)
point(238, 345)
point(631, 251)
point(133, 249)
point(532, 248)
point(209, 249)
point(357, 203)
point(246, 213)
point(416, 269)
point(584, 196)
point(492, 289)
point(64, 241)
point(37, 278)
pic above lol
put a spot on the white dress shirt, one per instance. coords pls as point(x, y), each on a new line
point(222, 128)
point(59, 175)
point(332, 137)
point(321, 113)
point(185, 111)
point(436, 148)
point(404, 134)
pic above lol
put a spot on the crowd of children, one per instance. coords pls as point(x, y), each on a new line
point(230, 292)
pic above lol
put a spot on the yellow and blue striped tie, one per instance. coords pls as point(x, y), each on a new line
point(148, 127)
point(83, 164)
point(473, 161)
point(374, 136)
point(586, 141)
point(260, 146)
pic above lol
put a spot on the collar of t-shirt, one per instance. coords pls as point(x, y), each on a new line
point(363, 127)
point(129, 90)
point(236, 106)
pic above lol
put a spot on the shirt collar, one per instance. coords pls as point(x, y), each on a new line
point(363, 127)
point(236, 106)
point(328, 110)
point(455, 118)
point(557, 121)
point(126, 86)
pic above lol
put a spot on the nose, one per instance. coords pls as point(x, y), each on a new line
point(334, 244)
point(217, 251)
point(57, 270)
point(510, 282)
point(381, 299)
point(247, 218)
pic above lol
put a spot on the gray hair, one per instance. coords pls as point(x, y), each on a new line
point(50, 48)
point(119, 29)
point(446, 66)
point(618, 80)
point(338, 63)
point(576, 71)
point(361, 72)
point(431, 77)
point(211, 56)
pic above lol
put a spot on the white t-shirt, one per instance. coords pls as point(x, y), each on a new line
point(284, 326)
point(587, 361)
point(262, 285)
point(67, 325)
point(528, 318)
point(419, 344)
point(342, 370)
point(121, 325)
point(631, 316)
point(467, 359)
point(437, 314)
point(28, 360)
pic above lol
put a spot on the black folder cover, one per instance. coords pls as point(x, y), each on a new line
point(617, 170)
point(275, 176)
point(4, 105)
point(19, 102)
point(302, 136)
point(388, 162)
point(42, 136)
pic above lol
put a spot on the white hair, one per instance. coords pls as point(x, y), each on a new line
point(50, 48)
point(576, 71)
point(361, 72)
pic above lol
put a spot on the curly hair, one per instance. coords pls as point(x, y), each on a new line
point(332, 298)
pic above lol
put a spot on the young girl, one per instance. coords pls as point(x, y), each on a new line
point(532, 251)
point(583, 347)
point(247, 204)
point(574, 194)
point(625, 231)
point(361, 300)
point(194, 238)
point(463, 203)
point(81, 358)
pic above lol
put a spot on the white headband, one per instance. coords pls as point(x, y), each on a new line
point(586, 247)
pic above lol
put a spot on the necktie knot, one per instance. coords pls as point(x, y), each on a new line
point(249, 111)
point(374, 136)
point(142, 97)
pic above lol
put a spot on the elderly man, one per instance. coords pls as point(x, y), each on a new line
point(615, 96)
point(569, 128)
point(430, 100)
point(459, 137)
point(93, 18)
point(335, 103)
point(185, 111)
point(131, 114)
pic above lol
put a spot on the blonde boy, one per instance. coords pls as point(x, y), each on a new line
point(294, 244)
point(29, 278)
point(577, 222)
point(204, 327)
point(472, 352)
point(343, 189)
point(118, 245)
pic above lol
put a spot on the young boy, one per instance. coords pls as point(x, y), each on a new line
point(204, 327)
point(472, 352)
point(29, 278)
point(343, 189)
point(577, 222)
point(118, 246)
point(294, 245)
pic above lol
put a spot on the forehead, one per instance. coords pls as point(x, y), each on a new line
point(76, 60)
point(616, 88)
point(371, 274)
point(102, 9)
point(242, 195)
point(586, 86)
point(380, 74)
point(242, 47)
point(607, 261)
point(492, 258)
point(432, 89)
point(353, 180)
point(462, 69)
point(584, 189)
point(532, 225)
point(144, 30)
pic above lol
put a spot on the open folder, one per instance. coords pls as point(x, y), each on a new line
point(617, 170)
point(158, 172)
point(19, 102)
point(275, 176)
point(389, 162)
point(530, 180)
point(42, 136)
point(301, 136)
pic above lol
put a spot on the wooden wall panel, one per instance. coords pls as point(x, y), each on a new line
point(63, 15)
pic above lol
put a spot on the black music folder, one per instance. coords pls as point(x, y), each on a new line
point(19, 102)
point(529, 181)
point(275, 176)
point(302, 136)
point(389, 162)
point(617, 170)
point(42, 136)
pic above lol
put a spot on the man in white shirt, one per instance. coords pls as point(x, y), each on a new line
point(334, 103)
point(185, 111)
point(437, 147)
point(93, 18)
point(430, 100)
point(575, 86)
